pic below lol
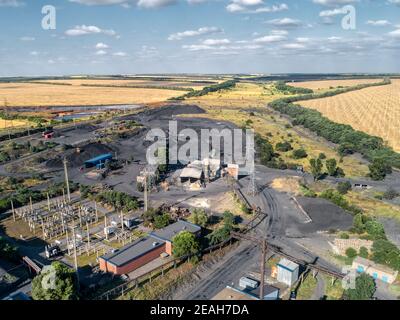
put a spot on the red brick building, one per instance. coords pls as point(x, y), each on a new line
point(145, 250)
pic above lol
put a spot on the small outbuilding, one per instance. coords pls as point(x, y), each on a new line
point(288, 272)
point(377, 271)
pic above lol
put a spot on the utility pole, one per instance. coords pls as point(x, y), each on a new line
point(263, 256)
point(48, 201)
point(75, 255)
point(13, 210)
point(263, 244)
point(67, 180)
point(146, 199)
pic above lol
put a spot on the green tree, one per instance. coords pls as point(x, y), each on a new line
point(344, 235)
point(283, 146)
point(299, 154)
point(358, 223)
point(385, 252)
point(229, 219)
point(8, 251)
point(219, 235)
point(351, 253)
point(57, 282)
point(161, 221)
point(331, 166)
point(363, 253)
point(185, 244)
point(379, 168)
point(364, 290)
point(199, 217)
point(375, 229)
point(316, 168)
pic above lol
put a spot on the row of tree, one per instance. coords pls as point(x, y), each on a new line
point(348, 140)
point(206, 90)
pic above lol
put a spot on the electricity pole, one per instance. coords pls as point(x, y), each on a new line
point(263, 244)
point(67, 179)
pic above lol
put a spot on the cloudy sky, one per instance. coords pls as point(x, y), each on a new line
point(199, 36)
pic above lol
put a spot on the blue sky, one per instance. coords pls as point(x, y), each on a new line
point(198, 36)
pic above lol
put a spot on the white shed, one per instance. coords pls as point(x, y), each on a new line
point(288, 272)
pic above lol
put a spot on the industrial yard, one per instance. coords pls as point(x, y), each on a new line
point(83, 194)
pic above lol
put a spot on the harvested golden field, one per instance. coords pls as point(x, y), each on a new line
point(5, 124)
point(326, 84)
point(244, 95)
point(194, 84)
point(43, 95)
point(374, 110)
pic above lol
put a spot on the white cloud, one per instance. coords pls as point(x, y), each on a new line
point(11, 3)
point(247, 6)
point(101, 53)
point(334, 3)
point(120, 54)
point(395, 33)
point(378, 23)
point(101, 45)
point(27, 39)
point(150, 4)
point(285, 22)
point(86, 30)
point(213, 42)
point(194, 33)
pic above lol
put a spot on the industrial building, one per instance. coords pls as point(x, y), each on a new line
point(144, 250)
point(99, 161)
point(287, 272)
point(199, 171)
point(377, 271)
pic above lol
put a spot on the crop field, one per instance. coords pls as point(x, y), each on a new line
point(45, 95)
point(10, 124)
point(244, 95)
point(183, 83)
point(327, 84)
point(374, 110)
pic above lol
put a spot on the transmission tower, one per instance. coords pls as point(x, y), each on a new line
point(252, 188)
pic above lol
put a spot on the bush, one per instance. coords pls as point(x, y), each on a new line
point(364, 290)
point(390, 194)
point(343, 187)
point(363, 253)
point(344, 235)
point(385, 252)
point(351, 253)
point(299, 154)
point(283, 146)
point(161, 221)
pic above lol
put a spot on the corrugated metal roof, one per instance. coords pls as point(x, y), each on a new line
point(102, 157)
point(194, 173)
point(287, 264)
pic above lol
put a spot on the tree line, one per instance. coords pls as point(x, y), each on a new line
point(206, 90)
point(349, 140)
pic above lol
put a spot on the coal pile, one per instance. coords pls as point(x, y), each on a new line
point(77, 159)
point(173, 110)
point(325, 215)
